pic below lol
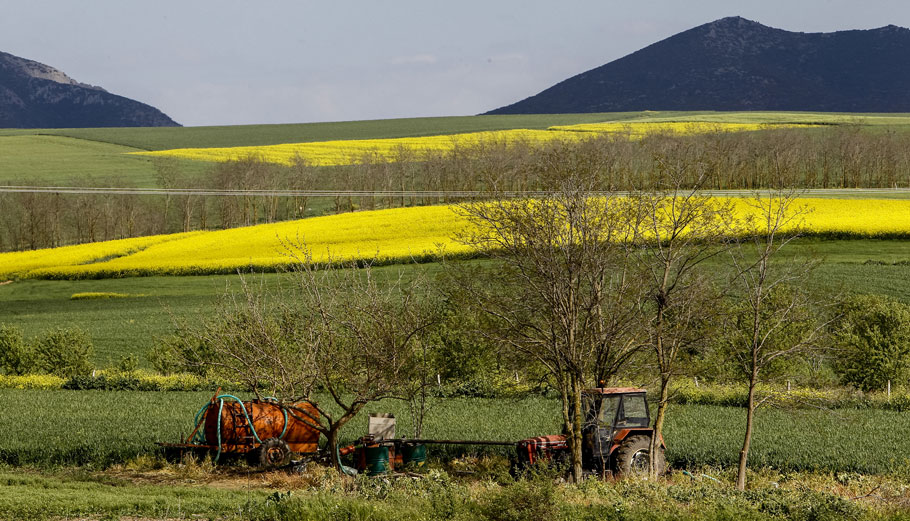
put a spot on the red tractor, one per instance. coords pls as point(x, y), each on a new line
point(616, 437)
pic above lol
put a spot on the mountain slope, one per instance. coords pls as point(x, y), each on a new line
point(34, 95)
point(738, 64)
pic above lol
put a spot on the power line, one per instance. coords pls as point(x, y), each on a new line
point(387, 193)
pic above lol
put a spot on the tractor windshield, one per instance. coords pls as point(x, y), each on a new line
point(634, 412)
point(608, 408)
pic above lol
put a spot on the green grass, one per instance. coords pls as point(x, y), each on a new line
point(163, 138)
point(87, 495)
point(71, 495)
point(118, 327)
point(100, 428)
point(65, 161)
point(128, 326)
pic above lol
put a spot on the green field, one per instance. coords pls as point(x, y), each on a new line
point(77, 156)
point(129, 326)
point(162, 138)
point(67, 161)
point(101, 428)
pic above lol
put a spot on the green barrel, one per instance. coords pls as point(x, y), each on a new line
point(377, 460)
point(414, 455)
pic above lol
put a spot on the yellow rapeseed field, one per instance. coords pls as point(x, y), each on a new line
point(347, 152)
point(637, 130)
point(78, 255)
point(385, 235)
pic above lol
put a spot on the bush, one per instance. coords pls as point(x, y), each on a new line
point(182, 353)
point(64, 352)
point(527, 500)
point(16, 358)
point(872, 334)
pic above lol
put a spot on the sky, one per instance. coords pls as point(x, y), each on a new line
point(229, 62)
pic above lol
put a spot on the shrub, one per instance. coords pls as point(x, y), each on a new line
point(527, 500)
point(15, 356)
point(180, 353)
point(873, 336)
point(64, 352)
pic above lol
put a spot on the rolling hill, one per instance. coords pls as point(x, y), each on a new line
point(739, 64)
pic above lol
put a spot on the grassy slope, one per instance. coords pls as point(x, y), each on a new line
point(252, 135)
point(65, 161)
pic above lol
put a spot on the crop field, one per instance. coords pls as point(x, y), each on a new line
point(96, 155)
point(163, 138)
point(347, 152)
point(127, 326)
point(100, 428)
point(393, 235)
point(67, 161)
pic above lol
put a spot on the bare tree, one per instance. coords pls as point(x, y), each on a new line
point(677, 231)
point(336, 338)
point(775, 318)
point(564, 296)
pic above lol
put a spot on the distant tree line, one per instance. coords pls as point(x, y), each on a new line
point(843, 156)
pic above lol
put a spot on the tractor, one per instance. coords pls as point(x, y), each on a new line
point(616, 437)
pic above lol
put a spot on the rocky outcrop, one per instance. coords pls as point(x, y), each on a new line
point(35, 95)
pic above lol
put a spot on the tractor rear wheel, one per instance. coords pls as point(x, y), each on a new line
point(273, 452)
point(633, 458)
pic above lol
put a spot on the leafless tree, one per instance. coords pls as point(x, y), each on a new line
point(337, 338)
point(565, 296)
point(776, 318)
point(677, 231)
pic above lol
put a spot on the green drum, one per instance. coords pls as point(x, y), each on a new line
point(377, 459)
point(414, 455)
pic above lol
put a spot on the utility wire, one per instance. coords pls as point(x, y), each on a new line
point(391, 193)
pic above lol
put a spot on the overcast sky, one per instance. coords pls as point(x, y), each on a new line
point(227, 62)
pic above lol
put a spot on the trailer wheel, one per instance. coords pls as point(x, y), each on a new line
point(273, 452)
point(633, 458)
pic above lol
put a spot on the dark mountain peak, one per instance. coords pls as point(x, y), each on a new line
point(734, 22)
point(738, 64)
point(35, 95)
point(735, 34)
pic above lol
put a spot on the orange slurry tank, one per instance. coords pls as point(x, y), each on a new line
point(234, 426)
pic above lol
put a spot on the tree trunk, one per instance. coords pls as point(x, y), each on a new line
point(575, 432)
point(659, 422)
point(332, 444)
point(747, 440)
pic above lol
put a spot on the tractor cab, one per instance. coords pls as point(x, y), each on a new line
point(616, 436)
point(617, 418)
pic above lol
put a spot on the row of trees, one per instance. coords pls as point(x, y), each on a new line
point(581, 285)
point(833, 157)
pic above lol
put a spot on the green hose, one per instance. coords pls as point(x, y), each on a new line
point(249, 422)
point(283, 410)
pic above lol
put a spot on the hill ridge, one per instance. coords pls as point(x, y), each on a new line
point(36, 95)
point(738, 64)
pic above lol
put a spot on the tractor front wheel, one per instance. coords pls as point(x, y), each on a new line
point(272, 453)
point(633, 458)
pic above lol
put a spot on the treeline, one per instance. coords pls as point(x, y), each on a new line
point(842, 156)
